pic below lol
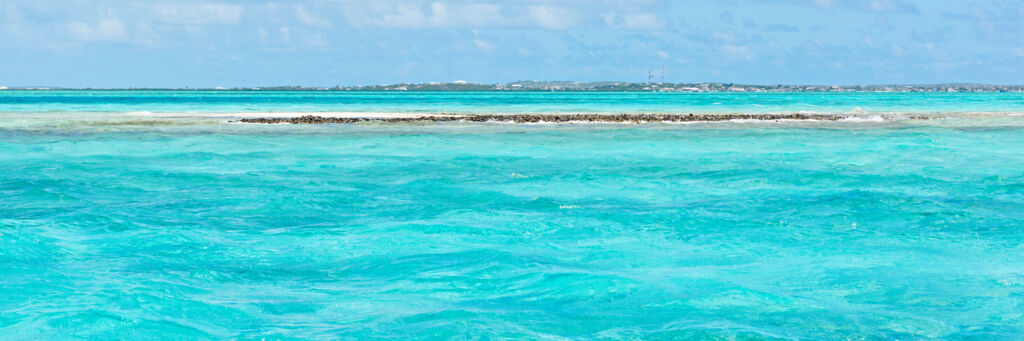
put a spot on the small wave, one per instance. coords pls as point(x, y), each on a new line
point(682, 122)
point(870, 118)
point(755, 120)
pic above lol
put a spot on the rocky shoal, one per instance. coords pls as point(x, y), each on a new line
point(560, 118)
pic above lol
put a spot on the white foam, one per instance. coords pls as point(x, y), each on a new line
point(871, 118)
point(684, 122)
point(754, 120)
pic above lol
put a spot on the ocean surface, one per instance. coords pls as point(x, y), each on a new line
point(473, 102)
point(152, 215)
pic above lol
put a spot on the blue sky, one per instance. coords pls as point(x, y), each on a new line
point(119, 43)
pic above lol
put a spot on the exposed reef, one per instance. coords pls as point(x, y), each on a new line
point(564, 118)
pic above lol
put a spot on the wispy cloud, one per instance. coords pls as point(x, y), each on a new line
point(416, 16)
point(368, 41)
point(551, 17)
point(309, 18)
point(106, 29)
point(198, 14)
point(642, 21)
point(887, 6)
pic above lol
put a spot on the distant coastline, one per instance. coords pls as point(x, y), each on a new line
point(593, 86)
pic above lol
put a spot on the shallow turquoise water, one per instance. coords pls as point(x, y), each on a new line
point(184, 229)
point(471, 102)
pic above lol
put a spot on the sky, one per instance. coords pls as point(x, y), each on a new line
point(157, 43)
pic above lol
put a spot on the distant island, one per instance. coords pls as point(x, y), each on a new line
point(603, 86)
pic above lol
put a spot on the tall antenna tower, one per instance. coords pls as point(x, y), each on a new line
point(663, 74)
point(650, 75)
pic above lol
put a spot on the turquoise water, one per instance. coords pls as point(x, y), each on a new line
point(469, 102)
point(186, 228)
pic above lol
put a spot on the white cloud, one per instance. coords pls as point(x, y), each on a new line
point(191, 14)
point(723, 37)
point(11, 26)
point(641, 21)
point(552, 18)
point(468, 15)
point(286, 34)
point(484, 45)
point(880, 6)
point(310, 19)
point(480, 15)
point(315, 41)
point(554, 15)
point(823, 3)
point(406, 16)
point(434, 15)
point(107, 29)
point(890, 6)
point(897, 50)
point(737, 52)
